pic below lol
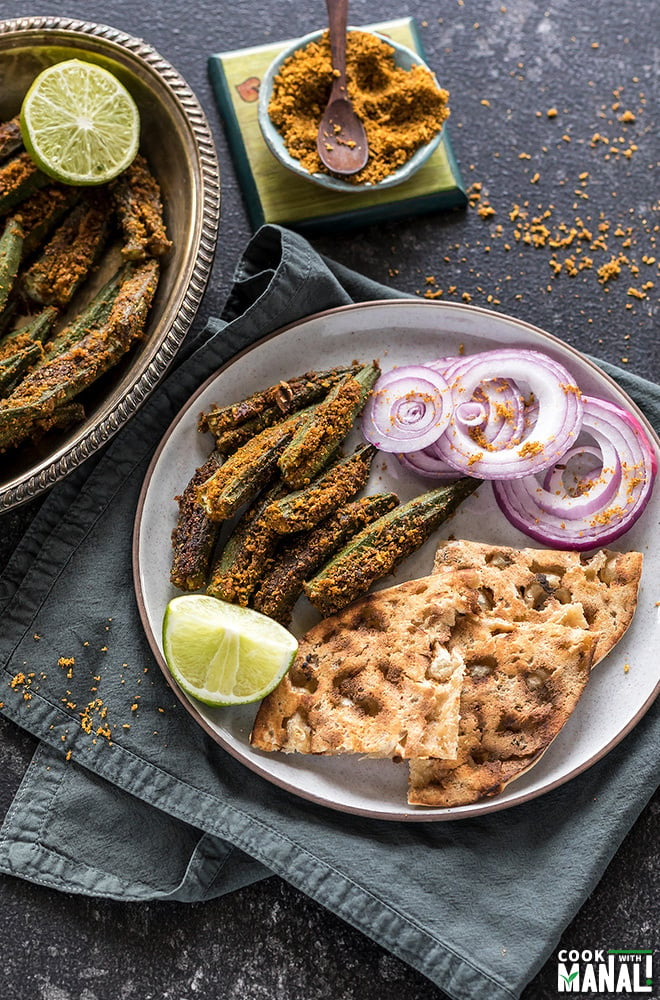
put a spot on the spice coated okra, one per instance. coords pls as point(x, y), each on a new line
point(19, 178)
point(11, 249)
point(11, 139)
point(41, 212)
point(14, 366)
point(376, 550)
point(195, 534)
point(93, 315)
point(275, 402)
point(62, 416)
point(318, 540)
point(302, 509)
point(269, 405)
point(140, 212)
point(238, 566)
point(69, 256)
point(319, 438)
point(55, 361)
point(60, 379)
point(300, 556)
point(240, 478)
point(35, 330)
point(38, 327)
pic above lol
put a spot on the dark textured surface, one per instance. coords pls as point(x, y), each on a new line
point(580, 179)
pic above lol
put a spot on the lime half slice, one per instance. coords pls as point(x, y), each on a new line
point(79, 123)
point(222, 654)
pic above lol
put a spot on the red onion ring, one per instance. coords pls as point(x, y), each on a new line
point(590, 495)
point(601, 513)
point(408, 409)
point(555, 429)
point(497, 409)
point(423, 463)
point(505, 407)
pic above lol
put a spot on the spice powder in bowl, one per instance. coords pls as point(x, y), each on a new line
point(396, 95)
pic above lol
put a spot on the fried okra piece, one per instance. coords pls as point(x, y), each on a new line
point(11, 248)
point(69, 256)
point(40, 213)
point(62, 378)
point(302, 509)
point(195, 534)
point(242, 560)
point(19, 178)
point(37, 327)
point(140, 211)
point(379, 548)
point(320, 437)
point(263, 408)
point(62, 417)
point(245, 473)
point(16, 365)
point(94, 315)
point(300, 556)
point(11, 139)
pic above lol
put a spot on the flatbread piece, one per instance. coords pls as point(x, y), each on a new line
point(375, 679)
point(520, 687)
point(538, 585)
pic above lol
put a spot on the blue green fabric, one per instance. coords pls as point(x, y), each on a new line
point(139, 803)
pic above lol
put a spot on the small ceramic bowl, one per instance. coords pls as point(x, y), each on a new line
point(403, 57)
point(186, 168)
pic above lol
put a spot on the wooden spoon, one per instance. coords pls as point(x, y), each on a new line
point(341, 141)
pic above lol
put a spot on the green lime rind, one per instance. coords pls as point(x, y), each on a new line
point(79, 123)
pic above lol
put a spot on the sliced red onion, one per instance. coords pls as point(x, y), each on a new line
point(505, 407)
point(593, 490)
point(556, 427)
point(505, 410)
point(608, 506)
point(409, 408)
point(497, 409)
point(424, 463)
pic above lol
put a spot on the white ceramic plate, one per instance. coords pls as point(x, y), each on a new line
point(398, 332)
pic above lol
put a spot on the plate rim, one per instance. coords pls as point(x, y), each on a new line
point(433, 814)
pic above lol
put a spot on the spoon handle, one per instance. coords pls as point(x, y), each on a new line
point(337, 22)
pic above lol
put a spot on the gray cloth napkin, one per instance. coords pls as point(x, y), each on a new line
point(128, 798)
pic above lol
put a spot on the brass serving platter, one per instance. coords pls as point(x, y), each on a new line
point(178, 144)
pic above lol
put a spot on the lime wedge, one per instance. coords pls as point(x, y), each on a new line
point(79, 123)
point(222, 654)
